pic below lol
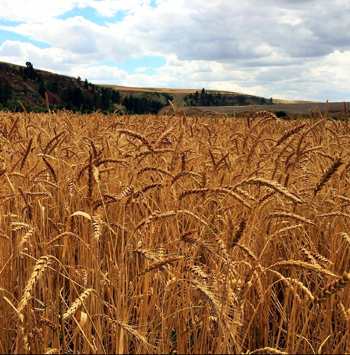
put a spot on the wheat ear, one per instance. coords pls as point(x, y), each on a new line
point(26, 154)
point(290, 133)
point(161, 263)
point(138, 136)
point(77, 303)
point(23, 108)
point(328, 174)
point(288, 215)
point(273, 185)
point(333, 288)
point(267, 350)
point(39, 268)
point(47, 102)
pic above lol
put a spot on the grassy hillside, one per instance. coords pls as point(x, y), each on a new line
point(29, 86)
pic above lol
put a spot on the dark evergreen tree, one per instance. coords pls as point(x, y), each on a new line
point(115, 97)
point(29, 71)
point(42, 89)
point(5, 93)
point(55, 85)
point(105, 99)
point(196, 96)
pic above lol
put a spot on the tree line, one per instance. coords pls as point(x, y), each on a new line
point(211, 99)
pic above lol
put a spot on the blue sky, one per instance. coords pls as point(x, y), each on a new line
point(286, 49)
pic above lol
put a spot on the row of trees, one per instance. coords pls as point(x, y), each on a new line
point(104, 99)
point(141, 105)
point(211, 99)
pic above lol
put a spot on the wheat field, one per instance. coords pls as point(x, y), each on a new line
point(172, 234)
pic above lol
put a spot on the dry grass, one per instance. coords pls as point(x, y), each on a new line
point(173, 234)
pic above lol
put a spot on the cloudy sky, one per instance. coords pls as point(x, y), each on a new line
point(290, 49)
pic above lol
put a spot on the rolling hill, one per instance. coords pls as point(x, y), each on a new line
point(29, 85)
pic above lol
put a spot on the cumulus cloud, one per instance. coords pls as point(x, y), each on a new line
point(194, 29)
point(280, 47)
point(27, 10)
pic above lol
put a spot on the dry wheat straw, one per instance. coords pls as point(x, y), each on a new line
point(214, 271)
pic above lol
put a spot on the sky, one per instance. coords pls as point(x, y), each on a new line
point(287, 49)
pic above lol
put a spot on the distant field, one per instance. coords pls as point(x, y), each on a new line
point(165, 90)
point(292, 108)
point(289, 106)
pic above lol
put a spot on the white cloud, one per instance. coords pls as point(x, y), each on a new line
point(33, 10)
point(39, 10)
point(52, 59)
point(278, 48)
point(195, 29)
point(108, 8)
point(141, 69)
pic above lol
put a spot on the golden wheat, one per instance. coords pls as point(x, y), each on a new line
point(200, 234)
